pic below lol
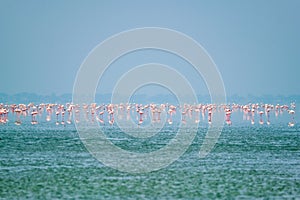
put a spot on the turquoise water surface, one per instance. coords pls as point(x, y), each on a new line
point(47, 161)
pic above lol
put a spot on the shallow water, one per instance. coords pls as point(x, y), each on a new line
point(48, 161)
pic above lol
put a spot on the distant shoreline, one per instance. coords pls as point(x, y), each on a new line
point(26, 98)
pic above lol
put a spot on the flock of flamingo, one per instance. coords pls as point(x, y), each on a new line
point(64, 113)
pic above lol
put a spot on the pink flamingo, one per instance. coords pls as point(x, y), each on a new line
point(18, 116)
point(93, 111)
point(277, 107)
point(97, 110)
point(209, 114)
point(24, 109)
point(141, 112)
point(158, 115)
point(122, 110)
point(197, 112)
point(171, 111)
point(3, 115)
point(252, 116)
point(41, 109)
point(111, 119)
point(63, 116)
point(86, 112)
point(77, 116)
point(153, 112)
point(57, 121)
point(100, 119)
point(6, 111)
point(93, 114)
point(228, 116)
point(49, 112)
point(33, 116)
point(203, 112)
point(292, 122)
point(183, 113)
point(268, 116)
point(146, 111)
point(13, 107)
point(110, 110)
point(2, 119)
point(69, 110)
point(128, 108)
point(260, 117)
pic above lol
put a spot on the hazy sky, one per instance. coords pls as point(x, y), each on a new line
point(255, 44)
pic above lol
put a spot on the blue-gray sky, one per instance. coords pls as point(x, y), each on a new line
point(255, 44)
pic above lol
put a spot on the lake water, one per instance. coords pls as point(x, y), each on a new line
point(47, 161)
